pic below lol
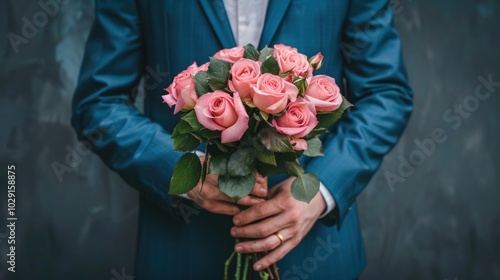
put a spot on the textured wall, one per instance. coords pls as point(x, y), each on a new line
point(427, 214)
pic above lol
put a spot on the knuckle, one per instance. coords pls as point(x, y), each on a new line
point(207, 204)
point(260, 209)
point(295, 241)
point(262, 231)
point(284, 204)
point(268, 246)
point(289, 202)
point(294, 216)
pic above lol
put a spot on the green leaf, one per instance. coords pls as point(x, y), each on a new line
point(293, 168)
point(268, 169)
point(315, 132)
point(218, 74)
point(305, 187)
point(185, 142)
point(218, 164)
point(201, 83)
point(314, 148)
point(222, 147)
point(182, 127)
point(262, 154)
point(208, 134)
point(301, 85)
point(274, 141)
point(241, 162)
point(265, 117)
point(327, 119)
point(285, 74)
point(191, 119)
point(265, 156)
point(270, 65)
point(290, 156)
point(198, 128)
point(251, 52)
point(186, 174)
point(237, 187)
point(266, 53)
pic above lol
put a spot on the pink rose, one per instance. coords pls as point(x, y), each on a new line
point(316, 61)
point(281, 47)
point(290, 60)
point(245, 73)
point(219, 111)
point(271, 93)
point(324, 93)
point(181, 91)
point(230, 55)
point(203, 67)
point(298, 120)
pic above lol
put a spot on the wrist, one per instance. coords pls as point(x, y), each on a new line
point(319, 205)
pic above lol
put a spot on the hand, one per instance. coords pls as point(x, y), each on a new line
point(210, 197)
point(282, 213)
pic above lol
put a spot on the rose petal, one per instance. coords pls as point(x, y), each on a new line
point(169, 99)
point(204, 116)
point(236, 131)
point(299, 144)
point(323, 106)
point(180, 104)
point(291, 131)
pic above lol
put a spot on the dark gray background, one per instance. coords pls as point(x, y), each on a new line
point(440, 222)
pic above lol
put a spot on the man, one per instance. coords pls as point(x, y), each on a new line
point(158, 39)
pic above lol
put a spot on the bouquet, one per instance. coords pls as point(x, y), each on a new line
point(254, 111)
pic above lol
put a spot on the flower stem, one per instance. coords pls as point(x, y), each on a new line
point(263, 275)
point(275, 272)
point(226, 265)
point(245, 268)
point(238, 266)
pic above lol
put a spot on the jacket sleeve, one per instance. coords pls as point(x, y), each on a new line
point(376, 83)
point(128, 142)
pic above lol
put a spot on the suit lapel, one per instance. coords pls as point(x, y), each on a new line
point(275, 13)
point(216, 13)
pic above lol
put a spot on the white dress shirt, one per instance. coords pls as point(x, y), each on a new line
point(247, 22)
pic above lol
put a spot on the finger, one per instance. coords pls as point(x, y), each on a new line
point(250, 200)
point(262, 229)
point(211, 191)
point(212, 179)
point(275, 255)
point(260, 188)
point(279, 187)
point(257, 212)
point(218, 207)
point(268, 243)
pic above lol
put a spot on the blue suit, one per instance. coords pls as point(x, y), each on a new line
point(156, 40)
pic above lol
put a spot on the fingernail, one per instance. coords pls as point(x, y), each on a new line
point(258, 267)
point(236, 221)
point(262, 192)
point(233, 232)
point(239, 249)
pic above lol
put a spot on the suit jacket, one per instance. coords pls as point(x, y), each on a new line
point(155, 40)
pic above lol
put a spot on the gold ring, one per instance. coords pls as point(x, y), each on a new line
point(282, 240)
